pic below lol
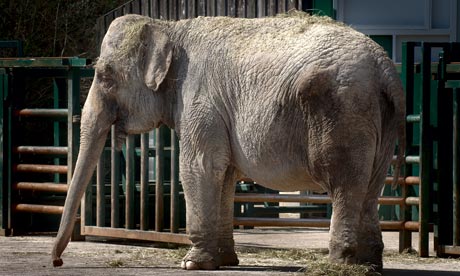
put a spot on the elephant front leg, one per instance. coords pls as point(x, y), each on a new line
point(202, 179)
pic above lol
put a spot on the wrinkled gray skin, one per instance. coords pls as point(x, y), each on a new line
point(293, 102)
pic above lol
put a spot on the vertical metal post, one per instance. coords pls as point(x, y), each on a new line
point(405, 236)
point(425, 151)
point(144, 181)
point(73, 142)
point(456, 170)
point(130, 185)
point(5, 147)
point(159, 202)
point(115, 182)
point(443, 229)
point(73, 121)
point(174, 219)
point(100, 193)
point(56, 125)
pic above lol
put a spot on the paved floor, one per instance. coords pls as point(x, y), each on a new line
point(30, 256)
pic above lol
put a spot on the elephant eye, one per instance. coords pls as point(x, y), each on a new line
point(106, 81)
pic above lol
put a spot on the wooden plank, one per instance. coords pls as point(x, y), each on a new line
point(183, 9)
point(174, 217)
point(130, 184)
point(114, 182)
point(292, 4)
point(251, 11)
point(144, 179)
point(100, 192)
point(241, 8)
point(232, 8)
point(272, 8)
point(156, 8)
point(261, 8)
point(192, 9)
point(159, 171)
point(202, 8)
point(211, 9)
point(221, 8)
point(137, 234)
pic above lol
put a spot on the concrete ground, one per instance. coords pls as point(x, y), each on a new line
point(31, 256)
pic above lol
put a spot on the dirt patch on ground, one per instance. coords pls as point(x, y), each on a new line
point(261, 252)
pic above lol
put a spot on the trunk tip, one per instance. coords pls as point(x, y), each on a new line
point(57, 262)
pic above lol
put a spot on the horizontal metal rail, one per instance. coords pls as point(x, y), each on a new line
point(41, 150)
point(136, 234)
point(41, 187)
point(412, 159)
point(43, 113)
point(313, 199)
point(320, 223)
point(35, 168)
point(36, 208)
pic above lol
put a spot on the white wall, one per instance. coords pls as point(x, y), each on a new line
point(404, 20)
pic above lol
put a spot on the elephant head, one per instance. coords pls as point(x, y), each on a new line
point(135, 59)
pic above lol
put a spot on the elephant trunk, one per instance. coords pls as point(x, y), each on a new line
point(96, 121)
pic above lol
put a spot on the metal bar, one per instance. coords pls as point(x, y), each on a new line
point(174, 220)
point(425, 151)
point(35, 168)
point(130, 185)
point(115, 182)
point(41, 150)
point(456, 170)
point(405, 237)
point(259, 198)
point(137, 235)
point(144, 182)
point(412, 180)
point(414, 118)
point(43, 113)
point(100, 193)
point(412, 159)
point(412, 200)
point(35, 208)
point(281, 222)
point(320, 223)
point(444, 158)
point(73, 119)
point(41, 187)
point(159, 167)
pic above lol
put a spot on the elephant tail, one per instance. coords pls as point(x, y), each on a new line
point(396, 124)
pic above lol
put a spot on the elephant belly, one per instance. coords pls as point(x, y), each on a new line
point(296, 180)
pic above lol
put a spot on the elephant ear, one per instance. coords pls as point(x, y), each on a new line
point(157, 57)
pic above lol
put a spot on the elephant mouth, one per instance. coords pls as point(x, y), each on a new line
point(120, 134)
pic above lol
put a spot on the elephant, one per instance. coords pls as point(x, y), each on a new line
point(294, 102)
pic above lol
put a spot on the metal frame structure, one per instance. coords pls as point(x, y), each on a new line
point(14, 73)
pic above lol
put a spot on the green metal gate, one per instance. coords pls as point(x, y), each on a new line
point(34, 176)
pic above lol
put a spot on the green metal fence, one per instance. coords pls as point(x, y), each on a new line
point(34, 176)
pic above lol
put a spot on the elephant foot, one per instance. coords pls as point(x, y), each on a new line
point(200, 259)
point(342, 254)
point(228, 259)
point(58, 262)
point(191, 265)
